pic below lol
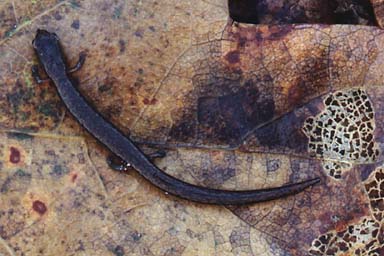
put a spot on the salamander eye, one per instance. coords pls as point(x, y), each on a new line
point(34, 43)
point(56, 37)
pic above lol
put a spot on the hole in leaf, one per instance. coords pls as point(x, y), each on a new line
point(359, 12)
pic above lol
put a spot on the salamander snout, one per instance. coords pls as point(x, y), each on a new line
point(43, 37)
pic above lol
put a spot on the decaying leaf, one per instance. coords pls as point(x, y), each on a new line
point(235, 106)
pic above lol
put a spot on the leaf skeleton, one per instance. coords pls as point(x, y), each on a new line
point(50, 55)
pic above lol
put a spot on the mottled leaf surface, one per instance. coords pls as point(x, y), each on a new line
point(234, 106)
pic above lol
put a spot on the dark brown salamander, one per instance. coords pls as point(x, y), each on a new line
point(48, 50)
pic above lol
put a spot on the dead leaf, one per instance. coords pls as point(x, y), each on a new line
point(231, 105)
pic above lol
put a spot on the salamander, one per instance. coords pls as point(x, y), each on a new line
point(49, 52)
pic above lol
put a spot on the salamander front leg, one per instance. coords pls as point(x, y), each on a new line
point(79, 63)
point(36, 75)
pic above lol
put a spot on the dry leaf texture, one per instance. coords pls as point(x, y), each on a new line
point(234, 106)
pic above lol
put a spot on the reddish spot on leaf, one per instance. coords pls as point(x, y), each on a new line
point(261, 35)
point(14, 157)
point(233, 57)
point(73, 177)
point(277, 32)
point(39, 207)
point(296, 93)
point(149, 102)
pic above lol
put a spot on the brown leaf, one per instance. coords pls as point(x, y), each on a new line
point(234, 106)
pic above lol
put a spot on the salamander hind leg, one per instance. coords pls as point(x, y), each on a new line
point(157, 154)
point(116, 163)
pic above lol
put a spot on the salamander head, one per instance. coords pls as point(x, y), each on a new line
point(44, 40)
point(47, 47)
